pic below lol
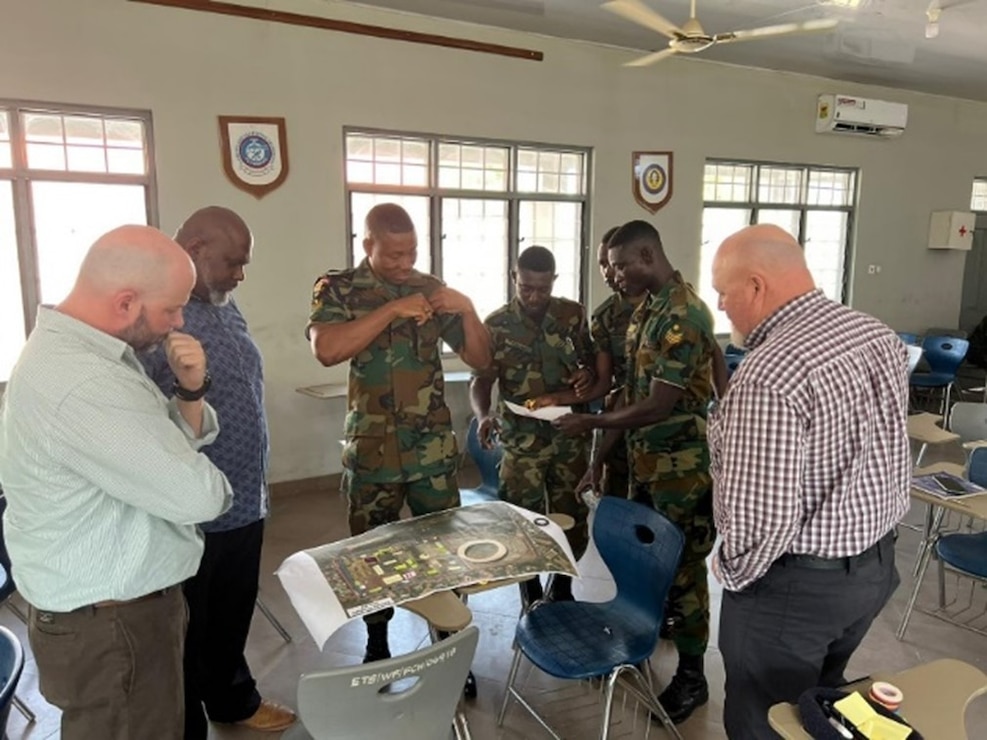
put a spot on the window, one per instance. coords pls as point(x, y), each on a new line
point(66, 176)
point(978, 200)
point(475, 205)
point(814, 204)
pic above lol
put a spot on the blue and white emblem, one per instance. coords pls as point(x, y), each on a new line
point(255, 153)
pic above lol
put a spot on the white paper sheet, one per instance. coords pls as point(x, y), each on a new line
point(545, 413)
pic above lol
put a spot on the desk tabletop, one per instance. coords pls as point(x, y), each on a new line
point(975, 505)
point(935, 698)
point(326, 391)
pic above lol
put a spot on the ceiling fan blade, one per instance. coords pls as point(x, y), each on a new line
point(637, 12)
point(651, 58)
point(784, 29)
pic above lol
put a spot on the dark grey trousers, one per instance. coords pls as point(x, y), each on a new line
point(794, 629)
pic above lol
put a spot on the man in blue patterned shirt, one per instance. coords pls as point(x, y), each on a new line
point(221, 595)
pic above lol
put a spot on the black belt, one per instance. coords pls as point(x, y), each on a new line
point(795, 560)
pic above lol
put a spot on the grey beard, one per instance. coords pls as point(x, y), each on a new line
point(219, 297)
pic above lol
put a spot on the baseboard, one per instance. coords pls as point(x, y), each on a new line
point(306, 485)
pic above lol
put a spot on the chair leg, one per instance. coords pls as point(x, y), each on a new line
point(942, 584)
point(24, 709)
point(273, 620)
point(928, 546)
point(643, 692)
point(511, 676)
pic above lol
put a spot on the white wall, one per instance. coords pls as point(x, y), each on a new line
point(188, 67)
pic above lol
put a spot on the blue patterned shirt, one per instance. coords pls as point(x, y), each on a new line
point(237, 394)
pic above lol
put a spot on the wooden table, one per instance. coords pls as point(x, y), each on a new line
point(936, 695)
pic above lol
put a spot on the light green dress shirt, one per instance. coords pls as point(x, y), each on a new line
point(103, 477)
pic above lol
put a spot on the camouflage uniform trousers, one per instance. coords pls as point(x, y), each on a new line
point(548, 472)
point(372, 504)
point(688, 502)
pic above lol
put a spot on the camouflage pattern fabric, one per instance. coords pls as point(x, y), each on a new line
point(688, 502)
point(398, 427)
point(671, 339)
point(540, 464)
point(608, 329)
point(616, 478)
point(372, 504)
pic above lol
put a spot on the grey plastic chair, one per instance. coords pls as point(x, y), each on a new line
point(375, 700)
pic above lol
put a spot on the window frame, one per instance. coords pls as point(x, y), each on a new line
point(754, 204)
point(511, 195)
point(20, 175)
point(979, 180)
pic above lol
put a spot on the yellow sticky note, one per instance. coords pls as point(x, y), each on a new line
point(856, 709)
point(882, 728)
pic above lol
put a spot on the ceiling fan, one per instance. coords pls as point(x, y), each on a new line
point(691, 37)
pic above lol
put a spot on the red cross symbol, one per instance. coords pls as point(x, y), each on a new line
point(963, 230)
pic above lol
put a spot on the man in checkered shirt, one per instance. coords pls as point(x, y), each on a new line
point(811, 472)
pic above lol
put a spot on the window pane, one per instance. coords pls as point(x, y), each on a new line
point(43, 128)
point(830, 188)
point(5, 156)
point(124, 134)
point(415, 205)
point(84, 130)
point(46, 156)
point(825, 250)
point(474, 250)
point(86, 158)
point(727, 182)
point(718, 224)
point(978, 201)
point(69, 217)
point(126, 161)
point(780, 185)
point(557, 226)
point(547, 171)
point(387, 160)
point(787, 220)
point(11, 307)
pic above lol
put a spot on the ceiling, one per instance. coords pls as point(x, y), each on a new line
point(879, 41)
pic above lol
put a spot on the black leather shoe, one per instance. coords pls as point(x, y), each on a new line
point(377, 647)
point(469, 689)
point(687, 691)
point(531, 592)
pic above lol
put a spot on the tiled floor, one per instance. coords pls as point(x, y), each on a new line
point(306, 520)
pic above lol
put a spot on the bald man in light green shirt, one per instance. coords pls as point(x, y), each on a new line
point(105, 485)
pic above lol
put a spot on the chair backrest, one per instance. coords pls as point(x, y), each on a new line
point(733, 362)
point(944, 354)
point(11, 665)
point(914, 355)
point(642, 550)
point(374, 700)
point(908, 337)
point(486, 461)
point(968, 420)
point(977, 466)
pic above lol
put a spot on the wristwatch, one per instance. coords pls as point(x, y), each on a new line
point(186, 395)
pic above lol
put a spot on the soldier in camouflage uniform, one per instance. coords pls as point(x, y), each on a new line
point(389, 321)
point(608, 329)
point(540, 346)
point(671, 353)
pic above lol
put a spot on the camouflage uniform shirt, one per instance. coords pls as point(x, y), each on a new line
point(531, 360)
point(608, 328)
point(671, 339)
point(398, 427)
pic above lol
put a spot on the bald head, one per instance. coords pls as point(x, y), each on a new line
point(138, 258)
point(757, 271)
point(132, 285)
point(220, 244)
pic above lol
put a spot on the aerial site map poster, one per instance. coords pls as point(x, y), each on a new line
point(406, 560)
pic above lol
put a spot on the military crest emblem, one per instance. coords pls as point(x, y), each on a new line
point(255, 153)
point(652, 179)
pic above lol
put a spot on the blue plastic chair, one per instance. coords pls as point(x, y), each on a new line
point(488, 463)
point(965, 554)
point(908, 337)
point(11, 665)
point(580, 640)
point(944, 356)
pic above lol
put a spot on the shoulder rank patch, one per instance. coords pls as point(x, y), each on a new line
point(674, 335)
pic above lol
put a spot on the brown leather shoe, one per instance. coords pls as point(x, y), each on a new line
point(269, 717)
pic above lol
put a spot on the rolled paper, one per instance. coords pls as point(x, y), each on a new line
point(886, 695)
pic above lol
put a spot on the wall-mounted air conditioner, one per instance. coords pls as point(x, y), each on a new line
point(847, 114)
